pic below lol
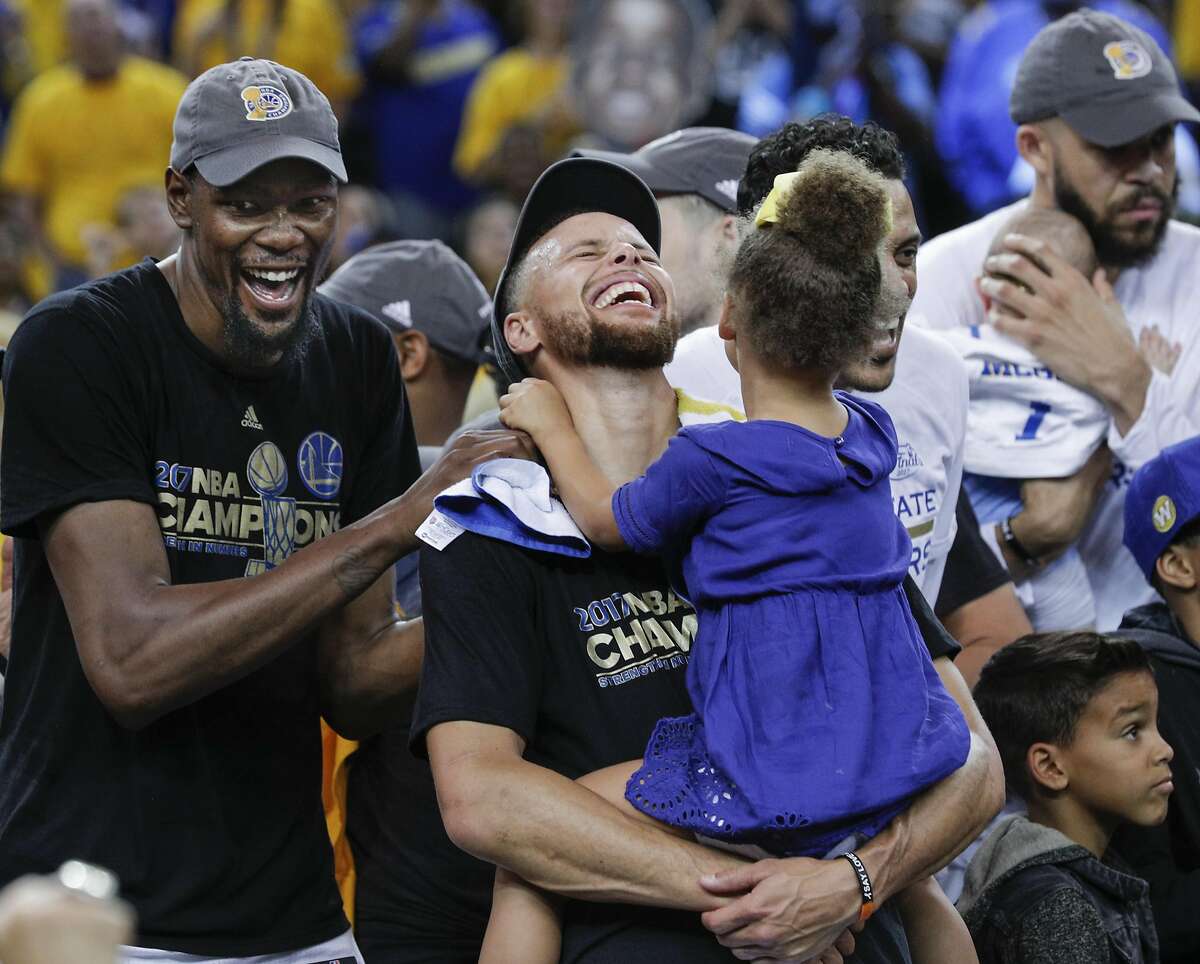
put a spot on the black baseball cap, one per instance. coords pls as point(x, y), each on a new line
point(236, 117)
point(422, 286)
point(1106, 78)
point(708, 161)
point(576, 184)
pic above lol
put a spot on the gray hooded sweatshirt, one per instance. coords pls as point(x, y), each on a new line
point(1033, 896)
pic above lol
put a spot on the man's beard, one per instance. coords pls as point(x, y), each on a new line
point(251, 349)
point(580, 339)
point(1113, 250)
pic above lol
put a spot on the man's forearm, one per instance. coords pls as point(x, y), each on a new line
point(938, 826)
point(1123, 391)
point(562, 837)
point(149, 647)
point(368, 676)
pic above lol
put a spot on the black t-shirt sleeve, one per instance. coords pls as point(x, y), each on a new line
point(483, 658)
point(972, 569)
point(390, 461)
point(73, 424)
point(937, 640)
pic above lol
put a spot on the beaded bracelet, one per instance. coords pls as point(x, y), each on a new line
point(1010, 539)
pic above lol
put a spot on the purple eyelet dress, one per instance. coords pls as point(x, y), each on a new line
point(817, 711)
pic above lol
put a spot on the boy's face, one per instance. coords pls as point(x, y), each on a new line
point(1118, 763)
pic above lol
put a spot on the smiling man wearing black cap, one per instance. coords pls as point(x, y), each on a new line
point(694, 174)
point(171, 429)
point(541, 667)
point(1096, 102)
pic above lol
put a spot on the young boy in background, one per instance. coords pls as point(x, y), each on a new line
point(1162, 530)
point(1074, 716)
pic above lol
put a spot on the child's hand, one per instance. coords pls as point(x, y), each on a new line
point(536, 407)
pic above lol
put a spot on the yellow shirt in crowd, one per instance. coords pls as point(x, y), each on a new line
point(77, 146)
point(512, 88)
point(311, 37)
point(1186, 36)
point(45, 31)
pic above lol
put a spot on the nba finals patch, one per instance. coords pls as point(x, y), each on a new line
point(1128, 59)
point(266, 102)
point(1163, 514)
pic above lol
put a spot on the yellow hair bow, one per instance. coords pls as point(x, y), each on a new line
point(768, 211)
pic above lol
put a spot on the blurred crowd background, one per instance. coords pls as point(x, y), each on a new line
point(449, 109)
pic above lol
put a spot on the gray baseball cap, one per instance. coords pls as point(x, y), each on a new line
point(236, 117)
point(575, 184)
point(1105, 77)
point(421, 286)
point(708, 161)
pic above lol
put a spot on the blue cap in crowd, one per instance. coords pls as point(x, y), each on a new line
point(1163, 497)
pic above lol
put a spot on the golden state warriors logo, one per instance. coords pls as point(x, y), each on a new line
point(1128, 59)
point(266, 102)
point(1163, 515)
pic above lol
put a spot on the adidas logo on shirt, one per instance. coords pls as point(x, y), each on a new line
point(250, 420)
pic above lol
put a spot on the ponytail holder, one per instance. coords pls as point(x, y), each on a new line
point(768, 211)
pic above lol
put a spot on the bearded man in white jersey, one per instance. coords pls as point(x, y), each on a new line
point(924, 390)
point(1096, 102)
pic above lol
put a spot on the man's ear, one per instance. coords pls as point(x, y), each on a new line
point(1178, 567)
point(726, 327)
point(520, 331)
point(1045, 765)
point(729, 228)
point(412, 348)
point(179, 198)
point(1035, 147)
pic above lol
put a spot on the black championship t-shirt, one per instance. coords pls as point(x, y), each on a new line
point(211, 816)
point(580, 657)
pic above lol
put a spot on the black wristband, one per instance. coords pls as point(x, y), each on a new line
point(1010, 539)
point(864, 886)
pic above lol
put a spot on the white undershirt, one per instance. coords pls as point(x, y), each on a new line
point(927, 401)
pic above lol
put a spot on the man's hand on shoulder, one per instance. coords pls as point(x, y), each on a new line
point(786, 909)
point(456, 463)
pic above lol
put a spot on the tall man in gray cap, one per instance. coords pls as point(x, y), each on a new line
point(540, 667)
point(694, 174)
point(1096, 102)
point(174, 428)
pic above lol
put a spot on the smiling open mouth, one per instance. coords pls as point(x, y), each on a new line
point(272, 288)
point(623, 293)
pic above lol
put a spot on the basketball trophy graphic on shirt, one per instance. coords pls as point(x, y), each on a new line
point(267, 472)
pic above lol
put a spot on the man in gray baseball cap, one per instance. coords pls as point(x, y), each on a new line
point(216, 416)
point(1107, 79)
point(1097, 104)
point(694, 174)
point(237, 117)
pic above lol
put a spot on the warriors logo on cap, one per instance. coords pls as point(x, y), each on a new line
point(1129, 59)
point(266, 102)
point(1163, 514)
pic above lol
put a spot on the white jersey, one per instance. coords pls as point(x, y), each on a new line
point(1024, 422)
point(1162, 293)
point(927, 401)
